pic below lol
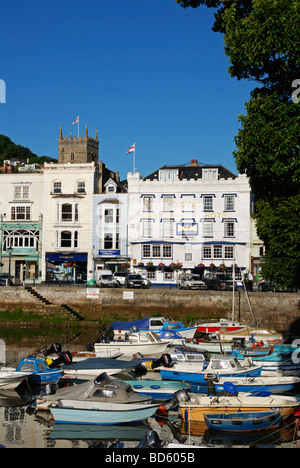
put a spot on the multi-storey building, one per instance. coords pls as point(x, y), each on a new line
point(21, 224)
point(188, 217)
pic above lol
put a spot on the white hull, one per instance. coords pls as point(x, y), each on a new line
point(129, 349)
point(9, 380)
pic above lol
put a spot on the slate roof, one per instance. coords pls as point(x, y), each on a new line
point(194, 171)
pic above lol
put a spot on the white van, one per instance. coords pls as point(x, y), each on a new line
point(104, 278)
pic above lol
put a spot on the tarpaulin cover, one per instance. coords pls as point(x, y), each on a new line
point(142, 324)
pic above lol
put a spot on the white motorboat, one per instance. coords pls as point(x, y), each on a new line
point(146, 343)
point(10, 378)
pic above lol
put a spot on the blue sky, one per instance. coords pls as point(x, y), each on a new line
point(143, 71)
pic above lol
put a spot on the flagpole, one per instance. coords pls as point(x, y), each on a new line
point(78, 127)
point(134, 160)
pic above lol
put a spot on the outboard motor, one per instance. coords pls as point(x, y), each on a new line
point(151, 440)
point(64, 358)
point(211, 379)
point(55, 348)
point(181, 396)
point(164, 360)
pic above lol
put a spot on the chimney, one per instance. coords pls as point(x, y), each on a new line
point(194, 162)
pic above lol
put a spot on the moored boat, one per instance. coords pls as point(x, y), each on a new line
point(10, 379)
point(197, 405)
point(275, 385)
point(243, 422)
point(213, 327)
point(147, 343)
point(157, 389)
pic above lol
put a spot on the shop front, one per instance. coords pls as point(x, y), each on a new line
point(66, 267)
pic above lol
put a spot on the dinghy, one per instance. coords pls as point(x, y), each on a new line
point(243, 422)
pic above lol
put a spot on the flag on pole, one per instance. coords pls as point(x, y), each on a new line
point(131, 149)
point(76, 121)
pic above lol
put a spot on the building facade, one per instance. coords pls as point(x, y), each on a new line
point(187, 218)
point(21, 225)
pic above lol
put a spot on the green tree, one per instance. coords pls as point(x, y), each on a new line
point(261, 39)
point(9, 150)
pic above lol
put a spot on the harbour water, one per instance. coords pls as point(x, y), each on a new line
point(22, 427)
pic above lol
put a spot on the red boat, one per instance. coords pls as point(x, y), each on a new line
point(213, 327)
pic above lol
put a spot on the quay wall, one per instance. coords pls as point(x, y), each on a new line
point(277, 310)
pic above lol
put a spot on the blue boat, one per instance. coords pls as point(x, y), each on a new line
point(243, 421)
point(278, 359)
point(154, 324)
point(275, 385)
point(41, 372)
point(197, 372)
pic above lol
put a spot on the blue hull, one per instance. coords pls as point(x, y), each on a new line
point(243, 422)
point(199, 378)
point(254, 388)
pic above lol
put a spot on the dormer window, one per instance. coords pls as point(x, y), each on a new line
point(210, 174)
point(111, 186)
point(168, 174)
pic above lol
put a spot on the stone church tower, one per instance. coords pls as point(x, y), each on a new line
point(78, 150)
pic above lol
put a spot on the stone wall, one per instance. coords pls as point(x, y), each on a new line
point(277, 310)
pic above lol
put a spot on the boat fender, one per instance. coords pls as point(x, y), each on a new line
point(256, 345)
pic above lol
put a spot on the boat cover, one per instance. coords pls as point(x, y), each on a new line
point(142, 324)
point(103, 363)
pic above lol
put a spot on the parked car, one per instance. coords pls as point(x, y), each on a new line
point(266, 286)
point(104, 278)
point(219, 281)
point(121, 277)
point(6, 279)
point(135, 281)
point(190, 281)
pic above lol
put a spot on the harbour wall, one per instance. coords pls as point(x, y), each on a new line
point(276, 310)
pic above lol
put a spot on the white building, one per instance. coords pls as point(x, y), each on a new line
point(191, 215)
point(21, 219)
point(110, 246)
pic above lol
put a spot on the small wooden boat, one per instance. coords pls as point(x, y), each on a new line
point(197, 405)
point(243, 422)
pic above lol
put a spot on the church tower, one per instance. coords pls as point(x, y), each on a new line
point(78, 150)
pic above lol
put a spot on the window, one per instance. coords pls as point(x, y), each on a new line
point(229, 203)
point(228, 251)
point(66, 212)
point(207, 252)
point(26, 239)
point(151, 275)
point(109, 216)
point(67, 239)
point(208, 203)
point(20, 213)
point(229, 229)
point(208, 228)
point(168, 174)
point(218, 251)
point(111, 188)
point(118, 215)
point(147, 228)
point(167, 251)
point(81, 186)
point(146, 251)
point(210, 174)
point(56, 187)
point(168, 203)
point(22, 192)
point(168, 228)
point(108, 241)
point(156, 251)
point(168, 275)
point(147, 203)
